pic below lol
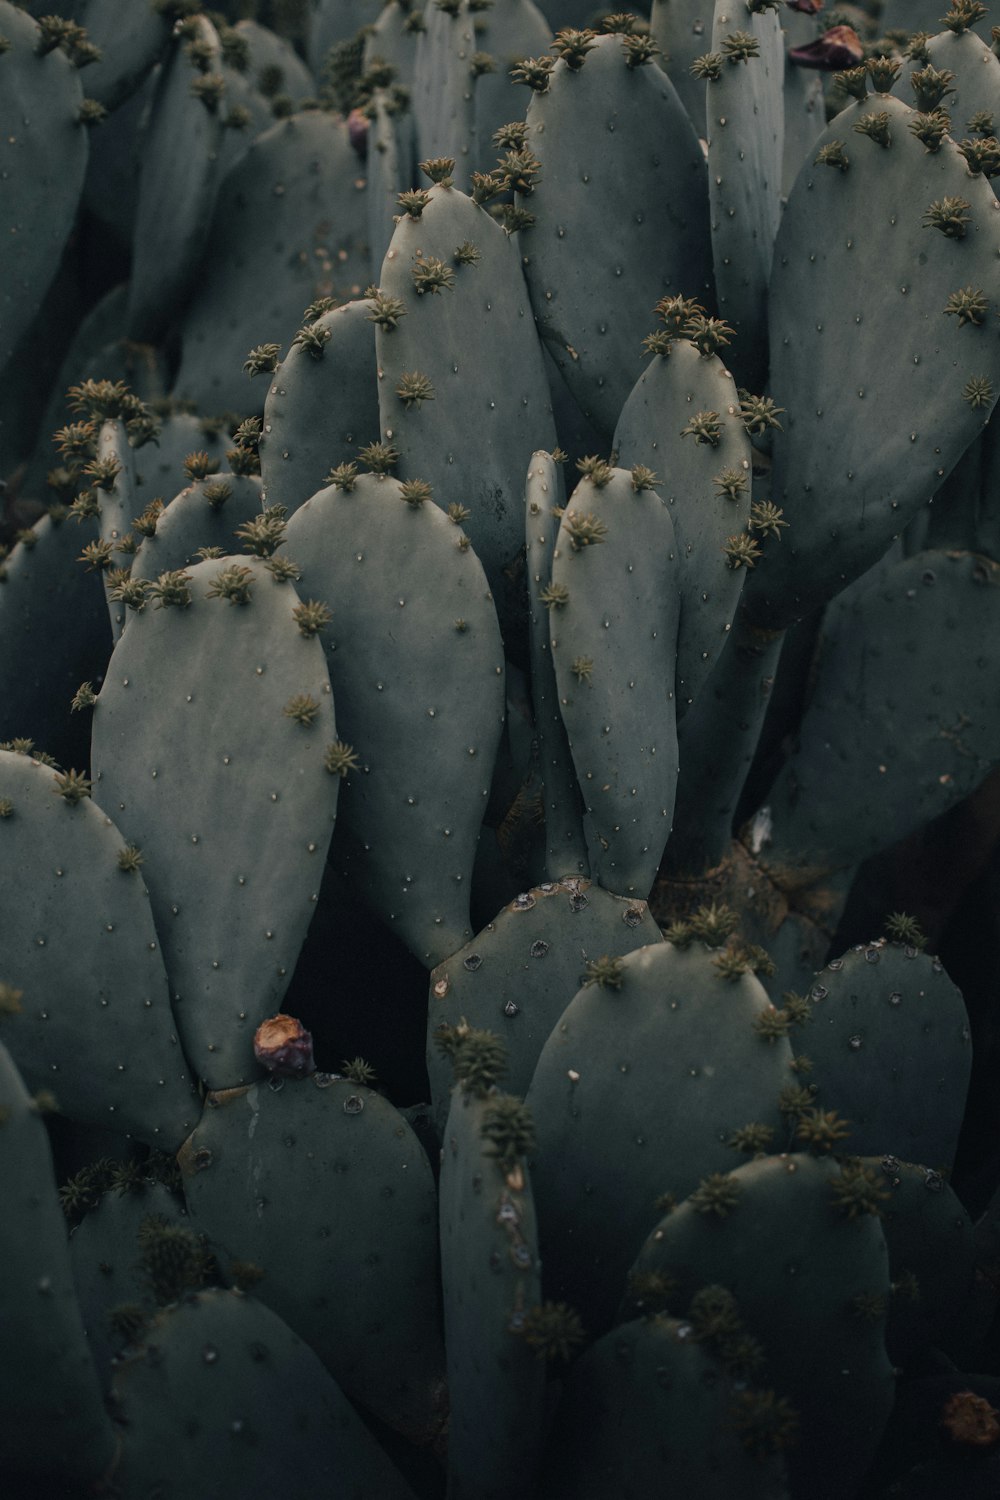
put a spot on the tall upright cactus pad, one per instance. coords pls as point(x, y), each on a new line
point(392, 40)
point(47, 595)
point(333, 21)
point(912, 15)
point(705, 470)
point(321, 1184)
point(932, 1258)
point(466, 328)
point(181, 168)
point(419, 682)
point(207, 513)
point(390, 167)
point(322, 405)
point(162, 468)
point(746, 141)
point(77, 939)
point(444, 83)
point(108, 1273)
point(43, 159)
point(274, 66)
point(129, 39)
point(517, 976)
point(218, 1397)
point(647, 1410)
point(52, 1418)
point(683, 33)
point(796, 1240)
point(491, 1280)
point(930, 734)
point(805, 112)
point(883, 265)
point(621, 217)
point(656, 1063)
point(115, 492)
point(614, 610)
point(566, 844)
point(889, 1041)
point(210, 739)
point(512, 30)
point(973, 87)
point(290, 225)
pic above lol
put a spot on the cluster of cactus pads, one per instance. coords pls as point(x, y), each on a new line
point(511, 606)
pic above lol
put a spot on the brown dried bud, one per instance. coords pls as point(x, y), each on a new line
point(838, 48)
point(970, 1420)
point(283, 1046)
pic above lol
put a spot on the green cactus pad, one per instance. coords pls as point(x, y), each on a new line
point(391, 152)
point(391, 40)
point(181, 166)
point(107, 1272)
point(634, 1387)
point(420, 698)
point(701, 487)
point(320, 409)
point(44, 160)
point(746, 138)
point(196, 518)
point(636, 1093)
point(621, 219)
point(225, 1399)
point(225, 794)
point(514, 29)
point(975, 85)
point(929, 731)
point(46, 595)
point(617, 607)
point(932, 1258)
point(443, 85)
point(52, 1418)
point(860, 283)
point(566, 846)
point(889, 1039)
point(517, 976)
point(475, 341)
point(682, 30)
point(129, 39)
point(322, 1184)
point(160, 465)
point(274, 248)
point(334, 21)
point(912, 15)
point(491, 1278)
point(796, 1262)
point(77, 938)
point(805, 114)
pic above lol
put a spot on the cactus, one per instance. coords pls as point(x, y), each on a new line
point(491, 1276)
point(46, 147)
point(221, 642)
point(81, 909)
point(352, 1160)
point(54, 1425)
point(802, 1235)
point(506, 611)
point(328, 369)
point(594, 129)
